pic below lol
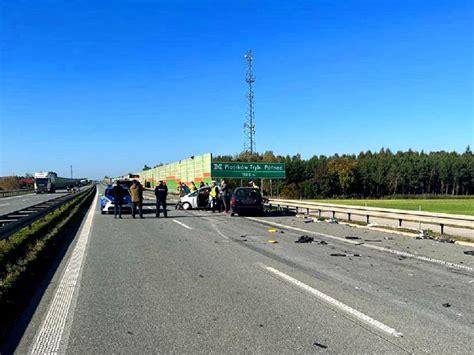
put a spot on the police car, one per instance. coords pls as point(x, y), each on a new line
point(107, 199)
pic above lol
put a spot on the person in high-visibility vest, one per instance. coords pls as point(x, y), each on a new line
point(193, 186)
point(213, 194)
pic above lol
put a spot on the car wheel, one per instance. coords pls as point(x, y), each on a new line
point(186, 206)
point(102, 212)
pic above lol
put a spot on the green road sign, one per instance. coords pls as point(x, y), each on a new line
point(248, 170)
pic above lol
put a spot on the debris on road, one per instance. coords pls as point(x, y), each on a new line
point(333, 221)
point(469, 252)
point(243, 236)
point(320, 345)
point(352, 237)
point(388, 238)
point(305, 239)
point(308, 221)
point(360, 243)
point(272, 230)
point(282, 232)
point(446, 305)
point(272, 242)
point(322, 242)
point(343, 254)
point(372, 240)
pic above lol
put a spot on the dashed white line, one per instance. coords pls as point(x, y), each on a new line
point(50, 333)
point(342, 306)
point(181, 224)
point(369, 246)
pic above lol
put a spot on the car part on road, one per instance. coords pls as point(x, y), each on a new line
point(305, 239)
point(446, 305)
point(308, 221)
point(469, 252)
point(272, 242)
point(272, 230)
point(352, 237)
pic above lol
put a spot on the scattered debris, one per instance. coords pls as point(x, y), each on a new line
point(401, 257)
point(322, 242)
point(282, 232)
point(320, 345)
point(260, 325)
point(129, 332)
point(446, 305)
point(359, 243)
point(272, 242)
point(353, 237)
point(333, 221)
point(201, 276)
point(372, 240)
point(308, 221)
point(305, 239)
point(469, 252)
point(272, 230)
point(419, 237)
point(243, 236)
point(388, 238)
point(343, 254)
point(244, 240)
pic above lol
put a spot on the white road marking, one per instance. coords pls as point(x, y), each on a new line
point(220, 233)
point(369, 246)
point(181, 224)
point(342, 306)
point(49, 336)
point(5, 204)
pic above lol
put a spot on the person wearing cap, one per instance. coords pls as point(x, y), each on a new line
point(161, 191)
point(118, 193)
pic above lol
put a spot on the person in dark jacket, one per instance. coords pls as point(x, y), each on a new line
point(136, 193)
point(161, 191)
point(225, 196)
point(118, 194)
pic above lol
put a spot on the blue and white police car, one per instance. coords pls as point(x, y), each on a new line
point(107, 199)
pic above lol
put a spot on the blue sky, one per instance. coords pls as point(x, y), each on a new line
point(109, 86)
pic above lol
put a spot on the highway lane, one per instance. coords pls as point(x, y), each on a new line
point(14, 203)
point(203, 282)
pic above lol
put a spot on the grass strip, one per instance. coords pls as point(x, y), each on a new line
point(28, 255)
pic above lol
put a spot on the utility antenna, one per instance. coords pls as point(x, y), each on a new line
point(249, 125)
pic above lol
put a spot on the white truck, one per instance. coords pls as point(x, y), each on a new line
point(50, 181)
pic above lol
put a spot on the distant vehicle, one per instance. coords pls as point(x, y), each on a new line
point(246, 200)
point(107, 203)
point(196, 199)
point(50, 182)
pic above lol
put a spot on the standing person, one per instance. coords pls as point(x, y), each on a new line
point(193, 186)
point(213, 194)
point(118, 194)
point(161, 191)
point(136, 193)
point(202, 184)
point(225, 196)
point(185, 188)
point(253, 184)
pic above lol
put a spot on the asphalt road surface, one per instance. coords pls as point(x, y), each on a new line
point(199, 282)
point(14, 203)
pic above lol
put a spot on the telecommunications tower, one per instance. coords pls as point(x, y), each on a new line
point(249, 125)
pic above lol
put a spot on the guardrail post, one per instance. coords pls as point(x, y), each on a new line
point(368, 217)
point(348, 216)
point(333, 214)
point(296, 210)
point(442, 228)
point(399, 222)
point(307, 211)
point(278, 208)
point(319, 213)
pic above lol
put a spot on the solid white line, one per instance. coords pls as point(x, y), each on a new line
point(181, 224)
point(5, 204)
point(342, 306)
point(369, 246)
point(48, 338)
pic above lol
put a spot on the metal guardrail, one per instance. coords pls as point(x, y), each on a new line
point(441, 219)
point(15, 192)
point(14, 221)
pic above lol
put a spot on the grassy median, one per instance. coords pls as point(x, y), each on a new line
point(28, 255)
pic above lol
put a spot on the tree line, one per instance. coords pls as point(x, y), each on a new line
point(369, 174)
